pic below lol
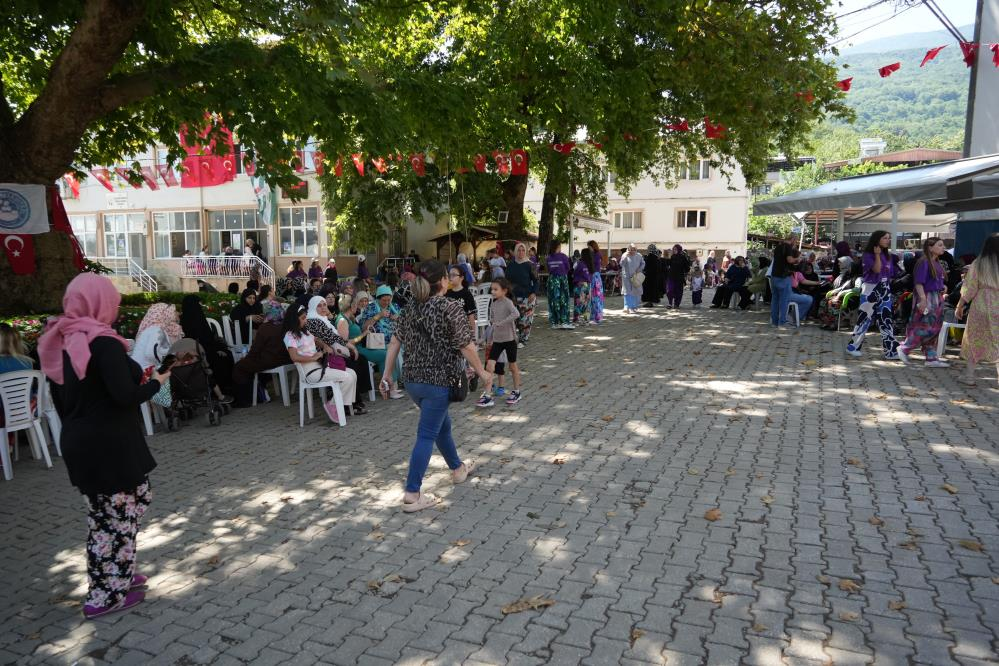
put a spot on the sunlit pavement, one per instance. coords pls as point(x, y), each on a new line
point(856, 519)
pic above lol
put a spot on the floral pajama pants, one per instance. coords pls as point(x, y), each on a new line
point(526, 319)
point(597, 298)
point(558, 300)
point(581, 301)
point(113, 522)
point(875, 307)
point(923, 330)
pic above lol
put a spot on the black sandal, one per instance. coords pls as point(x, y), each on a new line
point(358, 408)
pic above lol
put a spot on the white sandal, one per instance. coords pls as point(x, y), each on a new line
point(464, 471)
point(425, 501)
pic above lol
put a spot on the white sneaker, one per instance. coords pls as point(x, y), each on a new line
point(853, 351)
point(902, 356)
point(935, 364)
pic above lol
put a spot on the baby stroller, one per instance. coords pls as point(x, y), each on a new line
point(192, 386)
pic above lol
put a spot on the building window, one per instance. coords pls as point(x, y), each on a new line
point(760, 190)
point(299, 227)
point(85, 229)
point(125, 235)
point(689, 218)
point(696, 170)
point(631, 219)
point(610, 177)
point(231, 229)
point(175, 233)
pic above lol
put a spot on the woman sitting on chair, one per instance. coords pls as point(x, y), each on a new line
point(318, 324)
point(349, 318)
point(306, 351)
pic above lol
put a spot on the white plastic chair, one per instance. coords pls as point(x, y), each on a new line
point(481, 313)
point(227, 331)
point(233, 338)
point(216, 328)
point(371, 373)
point(151, 412)
point(305, 396)
point(15, 393)
point(942, 338)
point(48, 410)
point(797, 317)
point(283, 373)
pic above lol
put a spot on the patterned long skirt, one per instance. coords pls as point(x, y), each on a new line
point(875, 308)
point(581, 302)
point(526, 320)
point(113, 522)
point(558, 300)
point(923, 330)
point(596, 298)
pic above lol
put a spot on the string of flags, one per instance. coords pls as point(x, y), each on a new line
point(969, 51)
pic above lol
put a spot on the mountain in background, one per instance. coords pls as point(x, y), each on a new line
point(912, 107)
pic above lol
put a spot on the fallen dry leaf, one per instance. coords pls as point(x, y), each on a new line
point(730, 471)
point(287, 498)
point(611, 514)
point(200, 451)
point(558, 461)
point(693, 471)
point(758, 628)
point(581, 383)
point(910, 393)
point(909, 545)
point(635, 635)
point(896, 605)
point(532, 515)
point(543, 386)
point(822, 578)
point(856, 462)
point(848, 585)
point(718, 596)
point(877, 522)
point(377, 536)
point(996, 580)
point(374, 584)
point(529, 603)
point(460, 543)
point(848, 616)
point(920, 498)
point(394, 578)
point(767, 499)
point(503, 461)
point(883, 396)
point(713, 514)
point(608, 418)
point(213, 560)
point(949, 488)
point(810, 362)
point(971, 545)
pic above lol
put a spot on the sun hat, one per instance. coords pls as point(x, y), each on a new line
point(383, 290)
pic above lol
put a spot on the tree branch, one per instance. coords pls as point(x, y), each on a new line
point(6, 113)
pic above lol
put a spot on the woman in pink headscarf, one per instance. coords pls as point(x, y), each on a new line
point(98, 392)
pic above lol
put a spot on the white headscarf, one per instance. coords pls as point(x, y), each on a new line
point(313, 312)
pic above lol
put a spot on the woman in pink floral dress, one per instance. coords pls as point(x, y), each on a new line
point(981, 289)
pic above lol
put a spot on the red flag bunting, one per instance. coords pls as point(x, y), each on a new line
point(845, 84)
point(931, 54)
point(103, 177)
point(419, 164)
point(149, 176)
point(519, 157)
point(167, 174)
point(564, 148)
point(808, 96)
point(358, 162)
point(502, 162)
point(995, 53)
point(480, 163)
point(317, 160)
point(887, 70)
point(969, 50)
point(598, 146)
point(379, 163)
point(123, 172)
point(682, 126)
point(338, 167)
point(73, 184)
point(299, 161)
point(60, 224)
point(203, 167)
point(714, 130)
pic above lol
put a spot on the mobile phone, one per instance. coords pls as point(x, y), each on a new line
point(167, 363)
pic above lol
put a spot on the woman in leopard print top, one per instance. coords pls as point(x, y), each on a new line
point(435, 335)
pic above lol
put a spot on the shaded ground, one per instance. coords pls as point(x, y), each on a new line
point(835, 540)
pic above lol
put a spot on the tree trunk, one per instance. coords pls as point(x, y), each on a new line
point(514, 191)
point(546, 225)
point(41, 291)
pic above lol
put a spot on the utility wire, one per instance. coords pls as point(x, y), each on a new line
point(874, 25)
point(951, 28)
point(862, 9)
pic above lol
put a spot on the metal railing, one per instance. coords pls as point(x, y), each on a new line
point(126, 266)
point(222, 265)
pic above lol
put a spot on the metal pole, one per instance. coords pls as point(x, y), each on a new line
point(894, 226)
point(840, 230)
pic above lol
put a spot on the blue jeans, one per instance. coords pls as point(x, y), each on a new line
point(804, 302)
point(434, 426)
point(781, 288)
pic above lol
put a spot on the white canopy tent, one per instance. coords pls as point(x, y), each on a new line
point(917, 199)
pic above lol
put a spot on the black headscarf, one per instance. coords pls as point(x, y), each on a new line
point(194, 322)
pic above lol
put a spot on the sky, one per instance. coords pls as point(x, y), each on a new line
point(917, 19)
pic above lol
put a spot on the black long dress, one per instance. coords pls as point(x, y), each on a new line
point(195, 325)
point(652, 288)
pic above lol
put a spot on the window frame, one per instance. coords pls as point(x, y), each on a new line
point(619, 219)
point(190, 231)
point(84, 234)
point(703, 221)
point(295, 228)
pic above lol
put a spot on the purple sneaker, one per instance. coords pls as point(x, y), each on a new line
point(133, 598)
point(138, 580)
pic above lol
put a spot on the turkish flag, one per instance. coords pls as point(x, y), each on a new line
point(203, 167)
point(995, 53)
point(564, 148)
point(299, 161)
point(167, 174)
point(379, 163)
point(931, 54)
point(502, 162)
point(150, 177)
point(419, 164)
point(317, 160)
point(887, 70)
point(714, 130)
point(123, 172)
point(60, 224)
point(845, 84)
point(808, 96)
point(970, 52)
point(593, 143)
point(103, 177)
point(480, 163)
point(73, 184)
point(20, 252)
point(519, 157)
point(682, 126)
point(358, 162)
point(338, 167)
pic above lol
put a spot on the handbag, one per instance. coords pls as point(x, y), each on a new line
point(375, 340)
point(457, 391)
point(637, 279)
point(336, 362)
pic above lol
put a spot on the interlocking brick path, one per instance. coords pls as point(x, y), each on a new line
point(264, 541)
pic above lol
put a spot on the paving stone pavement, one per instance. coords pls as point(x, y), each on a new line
point(837, 541)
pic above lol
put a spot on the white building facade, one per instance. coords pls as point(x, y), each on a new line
point(705, 213)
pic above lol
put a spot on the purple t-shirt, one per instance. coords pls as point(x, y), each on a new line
point(597, 261)
point(923, 276)
point(580, 273)
point(887, 268)
point(558, 264)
